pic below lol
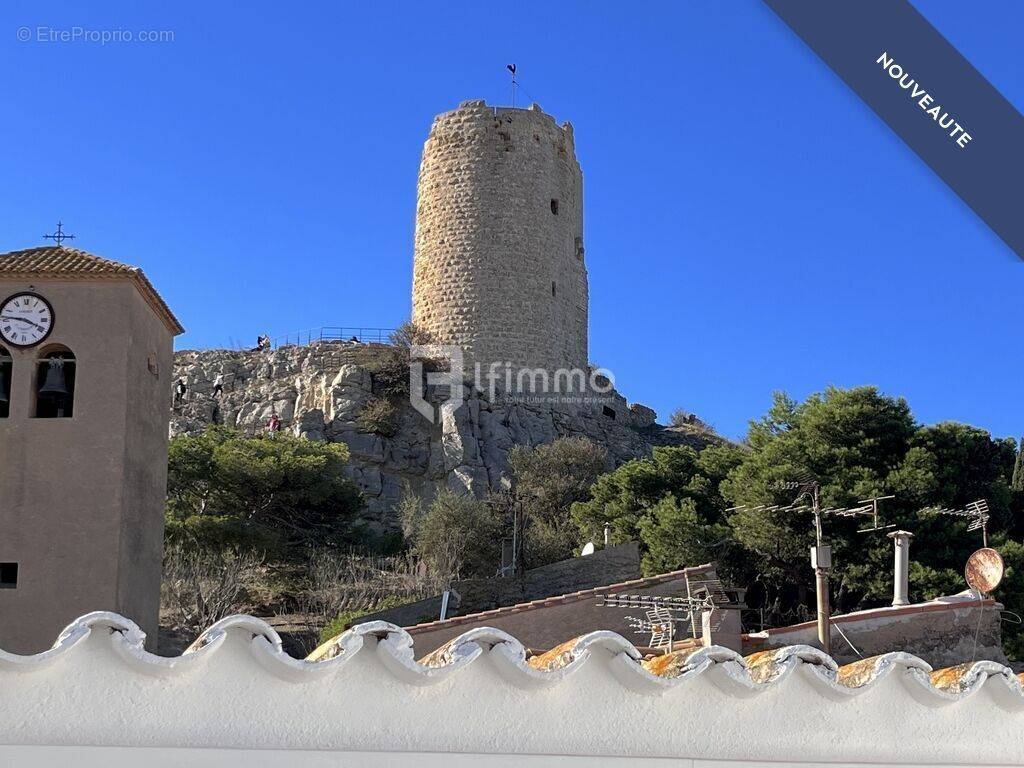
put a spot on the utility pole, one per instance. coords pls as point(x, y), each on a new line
point(821, 553)
point(821, 562)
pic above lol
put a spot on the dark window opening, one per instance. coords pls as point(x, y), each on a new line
point(8, 575)
point(554, 291)
point(609, 412)
point(6, 371)
point(55, 386)
point(554, 207)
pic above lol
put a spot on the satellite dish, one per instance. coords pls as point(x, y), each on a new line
point(984, 570)
point(588, 549)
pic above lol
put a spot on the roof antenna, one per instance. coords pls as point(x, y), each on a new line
point(512, 69)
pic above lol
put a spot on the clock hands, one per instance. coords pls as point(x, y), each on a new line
point(22, 320)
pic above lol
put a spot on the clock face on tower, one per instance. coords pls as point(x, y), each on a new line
point(26, 319)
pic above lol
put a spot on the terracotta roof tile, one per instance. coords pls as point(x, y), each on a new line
point(73, 264)
point(572, 597)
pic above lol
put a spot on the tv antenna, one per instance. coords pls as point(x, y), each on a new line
point(512, 70)
point(661, 614)
point(808, 500)
point(869, 509)
point(977, 512)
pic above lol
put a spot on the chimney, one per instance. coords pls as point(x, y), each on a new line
point(900, 584)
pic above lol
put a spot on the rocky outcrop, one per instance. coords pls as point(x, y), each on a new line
point(318, 391)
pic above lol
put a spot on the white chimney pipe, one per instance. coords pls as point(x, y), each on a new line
point(901, 574)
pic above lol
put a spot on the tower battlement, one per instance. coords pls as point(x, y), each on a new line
point(499, 261)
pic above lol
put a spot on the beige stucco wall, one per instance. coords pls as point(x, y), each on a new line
point(81, 498)
point(488, 247)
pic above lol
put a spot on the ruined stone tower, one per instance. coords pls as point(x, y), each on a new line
point(499, 264)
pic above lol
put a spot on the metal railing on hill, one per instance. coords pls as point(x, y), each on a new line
point(334, 333)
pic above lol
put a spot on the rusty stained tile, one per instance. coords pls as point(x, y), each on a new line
point(859, 673)
point(762, 666)
point(558, 657)
point(951, 679)
point(442, 656)
point(669, 664)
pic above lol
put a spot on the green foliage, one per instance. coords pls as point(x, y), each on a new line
point(856, 443)
point(379, 416)
point(548, 479)
point(345, 620)
point(1017, 481)
point(388, 364)
point(456, 536)
point(644, 498)
point(225, 488)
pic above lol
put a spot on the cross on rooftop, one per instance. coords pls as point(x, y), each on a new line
point(59, 236)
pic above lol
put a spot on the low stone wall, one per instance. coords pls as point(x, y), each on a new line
point(943, 632)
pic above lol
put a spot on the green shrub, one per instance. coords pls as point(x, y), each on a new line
point(379, 416)
point(345, 620)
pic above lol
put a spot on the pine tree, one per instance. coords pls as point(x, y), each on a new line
point(1017, 483)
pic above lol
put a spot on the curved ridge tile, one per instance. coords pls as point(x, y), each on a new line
point(70, 636)
point(570, 653)
point(396, 652)
point(554, 666)
point(960, 682)
point(669, 670)
point(325, 660)
point(770, 666)
point(866, 672)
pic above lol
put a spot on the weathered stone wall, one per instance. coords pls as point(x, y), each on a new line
point(319, 390)
point(499, 267)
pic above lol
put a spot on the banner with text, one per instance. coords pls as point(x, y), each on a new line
point(919, 84)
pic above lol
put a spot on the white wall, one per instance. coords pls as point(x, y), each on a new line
point(372, 705)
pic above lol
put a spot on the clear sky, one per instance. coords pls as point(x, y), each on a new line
point(750, 224)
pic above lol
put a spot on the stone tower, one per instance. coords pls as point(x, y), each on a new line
point(499, 266)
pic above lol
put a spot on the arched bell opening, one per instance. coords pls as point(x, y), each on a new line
point(55, 383)
point(6, 372)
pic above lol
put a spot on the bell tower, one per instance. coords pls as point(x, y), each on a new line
point(85, 365)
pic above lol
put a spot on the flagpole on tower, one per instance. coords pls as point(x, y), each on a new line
point(512, 70)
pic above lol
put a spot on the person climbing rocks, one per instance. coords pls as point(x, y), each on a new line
point(218, 385)
point(180, 388)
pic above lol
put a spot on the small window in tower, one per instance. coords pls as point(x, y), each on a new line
point(8, 575)
point(609, 412)
point(554, 206)
point(55, 384)
point(6, 371)
point(554, 290)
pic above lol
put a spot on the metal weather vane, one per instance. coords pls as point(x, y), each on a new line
point(59, 236)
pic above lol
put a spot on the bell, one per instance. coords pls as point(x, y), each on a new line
point(54, 385)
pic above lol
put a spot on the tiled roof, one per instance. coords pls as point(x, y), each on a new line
point(73, 264)
point(571, 597)
point(735, 674)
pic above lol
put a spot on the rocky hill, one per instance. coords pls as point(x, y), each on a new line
point(319, 390)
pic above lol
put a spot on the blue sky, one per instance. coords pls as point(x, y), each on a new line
point(750, 224)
